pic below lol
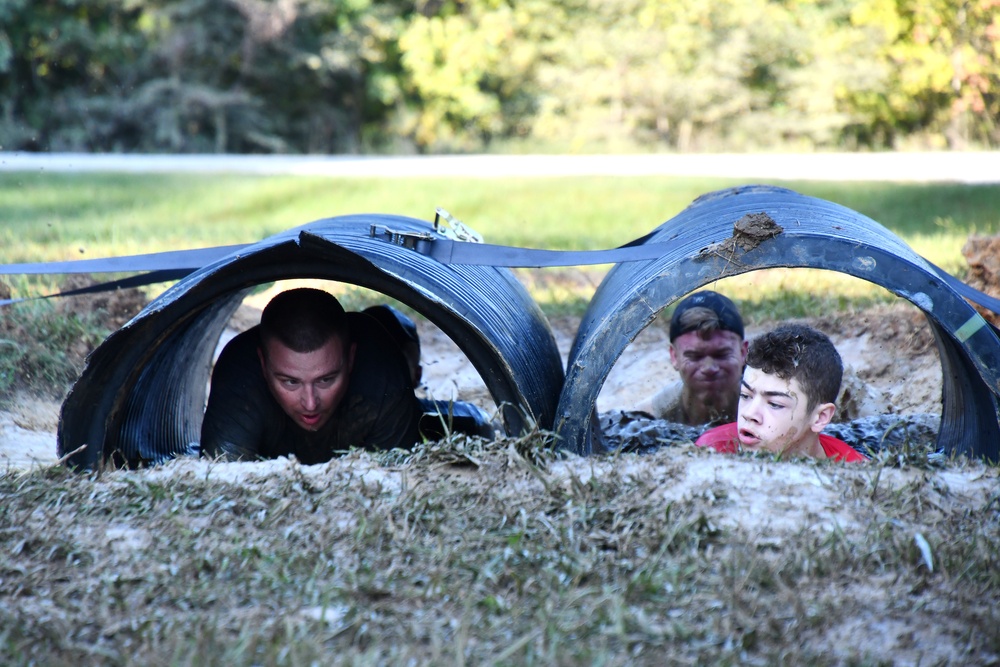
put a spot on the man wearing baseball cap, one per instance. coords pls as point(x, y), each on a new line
point(708, 349)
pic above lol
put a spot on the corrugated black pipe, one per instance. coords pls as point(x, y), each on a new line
point(141, 396)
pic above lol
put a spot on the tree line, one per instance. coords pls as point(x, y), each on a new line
point(407, 76)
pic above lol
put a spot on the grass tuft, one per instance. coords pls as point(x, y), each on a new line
point(42, 350)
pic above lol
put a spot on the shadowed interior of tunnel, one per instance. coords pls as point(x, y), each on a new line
point(891, 361)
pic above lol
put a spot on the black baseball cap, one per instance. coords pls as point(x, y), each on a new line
point(729, 315)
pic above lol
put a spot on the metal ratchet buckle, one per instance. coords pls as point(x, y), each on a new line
point(404, 239)
point(455, 230)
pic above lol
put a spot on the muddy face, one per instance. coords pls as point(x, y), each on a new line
point(773, 415)
point(710, 365)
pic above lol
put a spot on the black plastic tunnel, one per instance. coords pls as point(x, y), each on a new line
point(142, 393)
point(816, 234)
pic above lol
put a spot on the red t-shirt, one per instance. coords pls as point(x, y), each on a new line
point(726, 439)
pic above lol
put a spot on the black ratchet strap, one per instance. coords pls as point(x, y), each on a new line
point(176, 264)
point(173, 260)
point(158, 267)
point(451, 251)
point(448, 251)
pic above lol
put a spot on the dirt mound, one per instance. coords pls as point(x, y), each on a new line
point(983, 255)
point(897, 328)
point(115, 308)
point(890, 358)
point(109, 310)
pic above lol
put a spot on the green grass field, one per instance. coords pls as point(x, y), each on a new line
point(48, 217)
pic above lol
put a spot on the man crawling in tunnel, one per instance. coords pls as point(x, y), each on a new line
point(312, 380)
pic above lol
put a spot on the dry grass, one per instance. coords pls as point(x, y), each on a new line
point(468, 552)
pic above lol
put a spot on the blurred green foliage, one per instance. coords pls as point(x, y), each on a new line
point(348, 76)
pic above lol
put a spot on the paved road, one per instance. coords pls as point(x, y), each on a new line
point(965, 167)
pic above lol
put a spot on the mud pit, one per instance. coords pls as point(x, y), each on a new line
point(890, 361)
point(891, 366)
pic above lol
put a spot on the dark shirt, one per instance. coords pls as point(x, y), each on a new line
point(379, 410)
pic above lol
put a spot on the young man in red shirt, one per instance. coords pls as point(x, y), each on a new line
point(787, 397)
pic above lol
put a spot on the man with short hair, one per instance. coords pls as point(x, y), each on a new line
point(788, 396)
point(708, 350)
point(309, 381)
